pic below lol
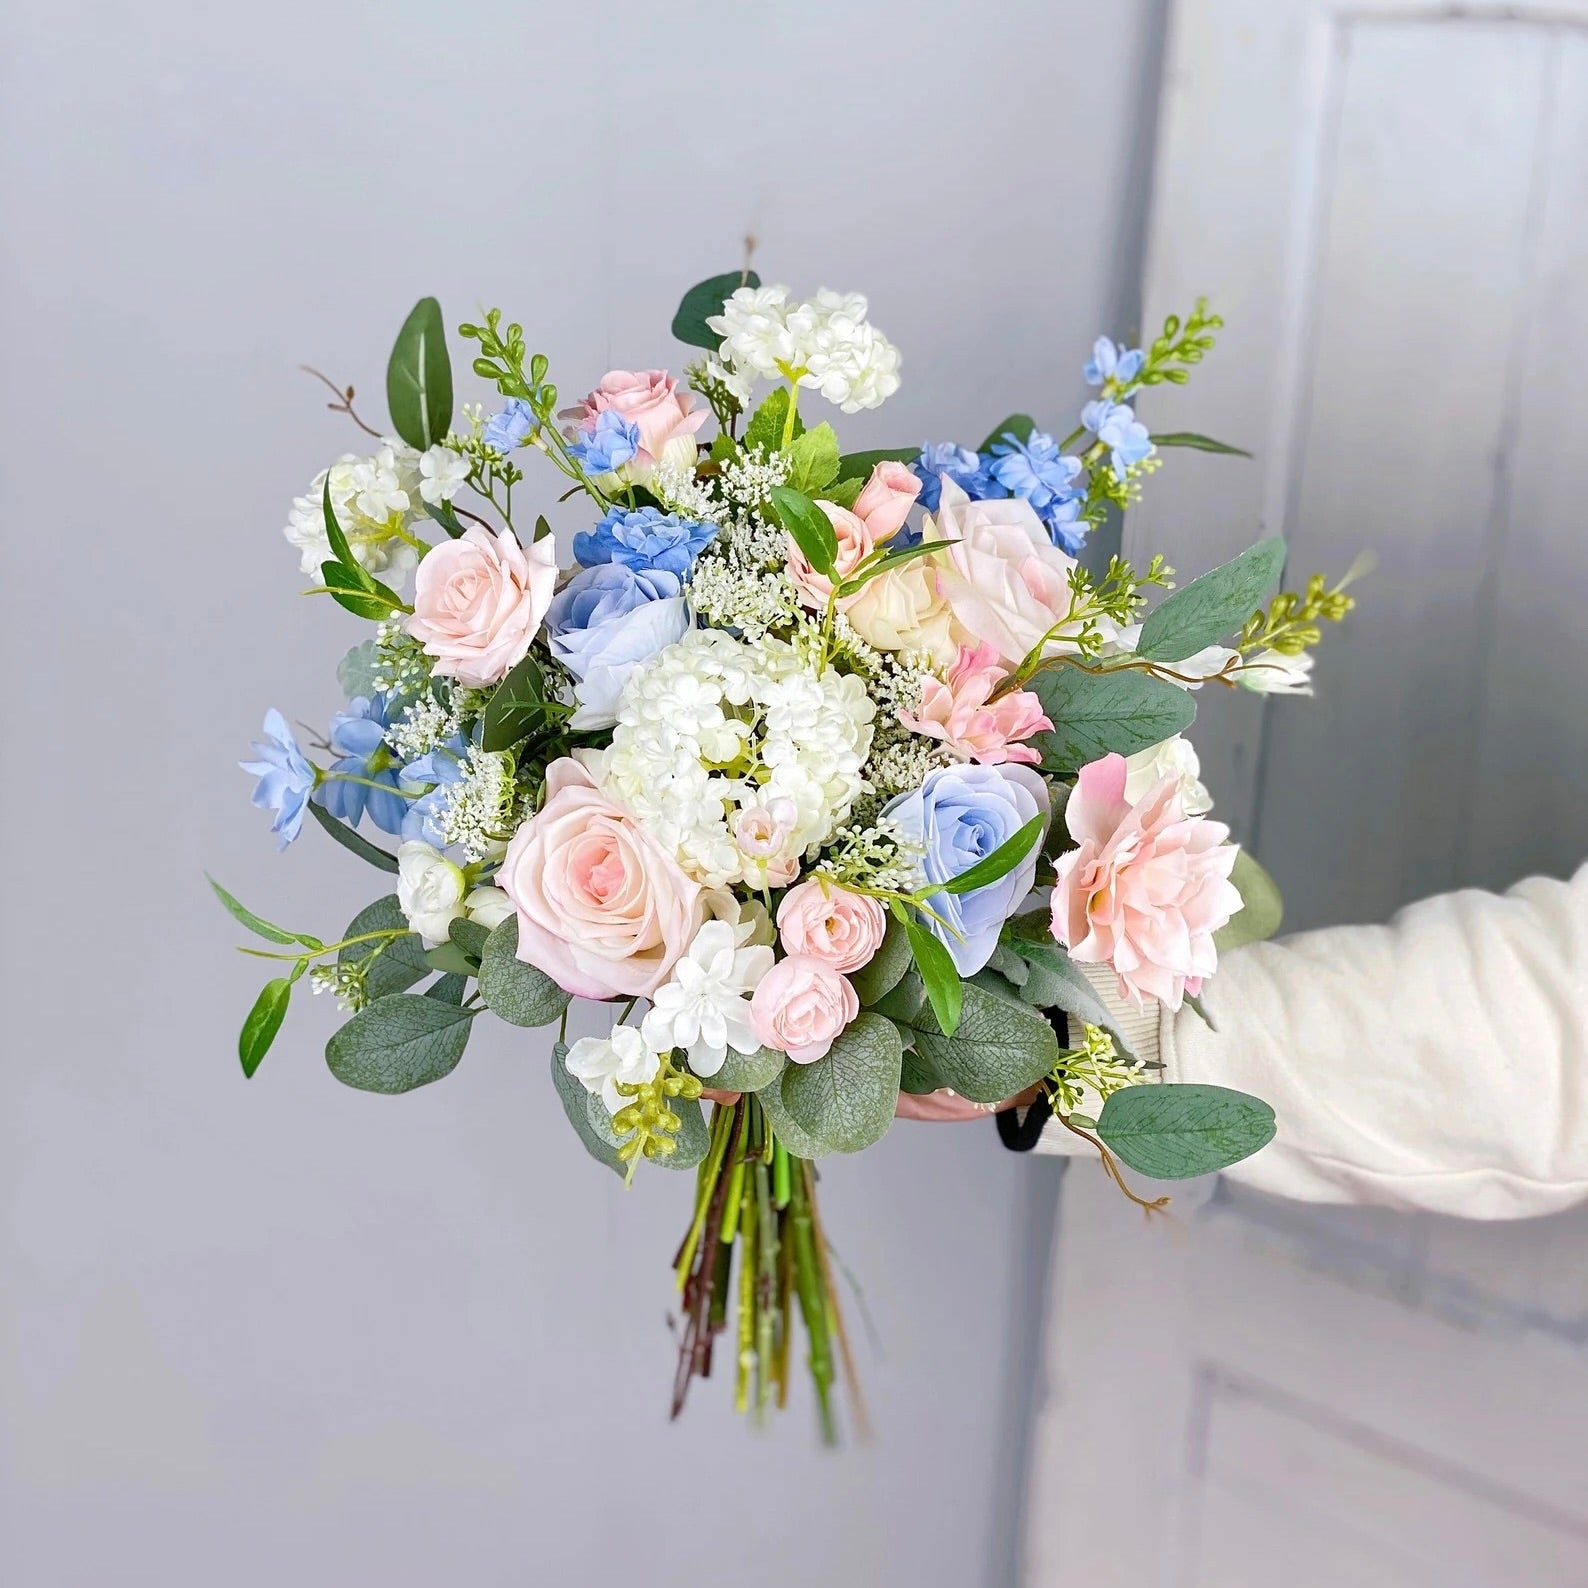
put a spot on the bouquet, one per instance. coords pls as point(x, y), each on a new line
point(833, 777)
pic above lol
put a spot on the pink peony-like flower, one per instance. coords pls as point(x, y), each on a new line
point(1006, 583)
point(886, 498)
point(479, 601)
point(602, 908)
point(1147, 887)
point(959, 710)
point(800, 1006)
point(829, 923)
point(649, 398)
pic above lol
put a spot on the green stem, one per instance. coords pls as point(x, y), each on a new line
point(813, 1302)
point(722, 1121)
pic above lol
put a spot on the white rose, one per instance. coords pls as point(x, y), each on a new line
point(1147, 768)
point(488, 906)
point(429, 890)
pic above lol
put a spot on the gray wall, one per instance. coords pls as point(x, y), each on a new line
point(282, 1331)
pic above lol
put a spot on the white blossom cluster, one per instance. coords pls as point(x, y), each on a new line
point(719, 737)
point(401, 666)
point(828, 340)
point(875, 854)
point(674, 485)
point(476, 812)
point(749, 481)
point(421, 728)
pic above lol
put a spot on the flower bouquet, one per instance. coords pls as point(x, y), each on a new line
point(834, 777)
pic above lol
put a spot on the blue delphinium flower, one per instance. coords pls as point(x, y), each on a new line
point(1035, 469)
point(965, 468)
point(507, 430)
point(286, 779)
point(611, 444)
point(1108, 362)
point(641, 538)
point(441, 767)
point(1118, 428)
point(358, 735)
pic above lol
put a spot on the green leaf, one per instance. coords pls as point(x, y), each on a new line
point(516, 707)
point(847, 1098)
point(449, 959)
point(1020, 425)
point(357, 670)
point(765, 428)
point(1055, 981)
point(1001, 1045)
point(1189, 438)
point(917, 1076)
point(1009, 854)
point(881, 973)
point(813, 460)
point(575, 1104)
point(419, 378)
point(358, 593)
point(1096, 714)
point(262, 1023)
point(519, 993)
point(469, 936)
point(400, 963)
point(351, 840)
point(1175, 1132)
point(748, 1072)
point(944, 989)
point(448, 989)
point(399, 1042)
point(1262, 906)
point(1210, 607)
point(340, 550)
point(257, 924)
point(890, 560)
point(446, 515)
point(906, 1000)
point(794, 1136)
point(811, 528)
point(860, 464)
point(704, 299)
point(844, 493)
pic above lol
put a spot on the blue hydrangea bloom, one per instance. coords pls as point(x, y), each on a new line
point(611, 444)
point(358, 735)
point(442, 767)
point(965, 468)
point(1113, 363)
point(286, 779)
point(644, 538)
point(1035, 469)
point(507, 430)
point(1118, 428)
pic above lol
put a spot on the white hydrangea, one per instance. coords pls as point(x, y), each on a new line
point(374, 499)
point(715, 726)
point(755, 333)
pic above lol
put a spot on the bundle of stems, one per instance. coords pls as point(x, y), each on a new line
point(756, 1239)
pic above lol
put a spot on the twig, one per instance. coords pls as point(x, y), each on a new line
point(344, 400)
point(1113, 1171)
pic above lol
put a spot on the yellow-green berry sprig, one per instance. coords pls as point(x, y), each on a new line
point(1293, 622)
point(647, 1122)
point(1180, 344)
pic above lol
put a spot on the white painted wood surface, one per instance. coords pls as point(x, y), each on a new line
point(1389, 203)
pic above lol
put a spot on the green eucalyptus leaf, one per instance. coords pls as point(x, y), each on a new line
point(470, 938)
point(518, 993)
point(787, 1129)
point(847, 1098)
point(1055, 981)
point(811, 528)
point(917, 1075)
point(350, 840)
point(398, 964)
point(748, 1072)
point(705, 299)
point(262, 1023)
point(1211, 607)
point(1189, 438)
point(906, 999)
point(693, 1138)
point(1009, 854)
point(575, 1104)
point(1262, 906)
point(517, 707)
point(419, 378)
point(881, 973)
point(356, 672)
point(449, 959)
point(944, 989)
point(399, 1042)
point(257, 924)
point(765, 429)
point(813, 460)
point(1018, 425)
point(1175, 1132)
point(448, 989)
point(1000, 1047)
point(1100, 713)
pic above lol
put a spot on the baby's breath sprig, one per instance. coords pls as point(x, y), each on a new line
point(1096, 1069)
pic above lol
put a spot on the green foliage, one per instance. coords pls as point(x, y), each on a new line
point(1018, 425)
point(518, 993)
point(393, 964)
point(748, 1072)
point(450, 960)
point(844, 493)
point(1009, 854)
point(846, 1099)
point(1097, 713)
point(905, 1000)
point(419, 378)
point(704, 299)
point(1292, 621)
point(357, 671)
point(262, 1023)
point(796, 1139)
point(357, 592)
point(767, 423)
point(576, 1105)
point(813, 460)
point(469, 937)
point(1211, 607)
point(446, 515)
point(399, 1042)
point(881, 974)
point(858, 465)
point(1175, 1132)
point(448, 989)
point(1262, 906)
point(353, 841)
point(517, 707)
point(944, 990)
point(811, 528)
point(257, 924)
point(1001, 1045)
point(1189, 438)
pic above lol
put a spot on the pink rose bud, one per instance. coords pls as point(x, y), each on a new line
point(829, 923)
point(961, 712)
point(800, 1006)
point(886, 499)
point(479, 601)
point(650, 399)
point(854, 544)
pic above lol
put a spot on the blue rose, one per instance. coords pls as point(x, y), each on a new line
point(644, 538)
point(958, 817)
point(608, 445)
point(604, 623)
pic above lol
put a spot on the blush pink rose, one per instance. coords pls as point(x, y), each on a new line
point(650, 399)
point(1006, 583)
point(960, 711)
point(800, 1006)
point(855, 543)
point(829, 923)
point(886, 499)
point(602, 908)
point(1147, 887)
point(479, 601)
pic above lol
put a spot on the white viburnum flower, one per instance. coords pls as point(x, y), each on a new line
point(754, 329)
point(600, 1063)
point(847, 359)
point(1274, 673)
point(429, 890)
point(1174, 757)
point(442, 474)
point(374, 499)
point(488, 906)
point(704, 1007)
